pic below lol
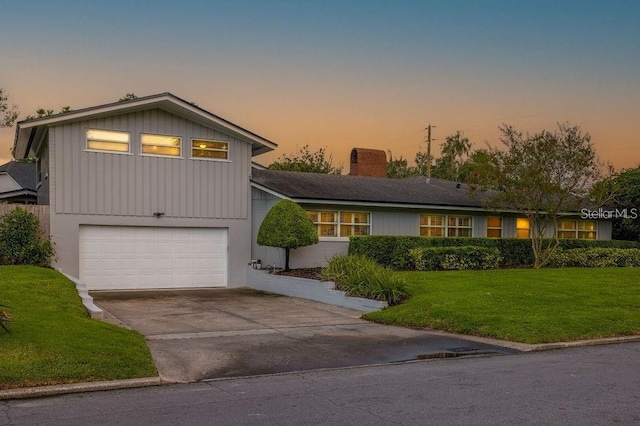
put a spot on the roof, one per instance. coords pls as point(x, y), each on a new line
point(315, 187)
point(23, 173)
point(28, 132)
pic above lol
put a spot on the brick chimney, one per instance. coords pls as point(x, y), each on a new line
point(368, 162)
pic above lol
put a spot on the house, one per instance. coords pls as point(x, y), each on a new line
point(148, 193)
point(156, 192)
point(18, 183)
point(363, 204)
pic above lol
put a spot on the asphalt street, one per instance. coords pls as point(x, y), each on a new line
point(596, 385)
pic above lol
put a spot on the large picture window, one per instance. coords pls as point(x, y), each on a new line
point(108, 141)
point(209, 149)
point(445, 226)
point(335, 224)
point(166, 146)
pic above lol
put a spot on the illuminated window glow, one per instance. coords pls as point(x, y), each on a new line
point(108, 141)
point(208, 149)
point(168, 146)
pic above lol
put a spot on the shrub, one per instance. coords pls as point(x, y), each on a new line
point(22, 242)
point(393, 251)
point(362, 277)
point(596, 257)
point(454, 258)
point(287, 226)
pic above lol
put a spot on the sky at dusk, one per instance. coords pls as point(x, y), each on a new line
point(340, 74)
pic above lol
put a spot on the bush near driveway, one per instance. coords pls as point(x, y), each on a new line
point(362, 277)
point(53, 340)
point(522, 305)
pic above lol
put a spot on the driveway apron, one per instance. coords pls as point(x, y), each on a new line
point(203, 334)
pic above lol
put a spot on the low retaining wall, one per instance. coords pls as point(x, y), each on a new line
point(320, 291)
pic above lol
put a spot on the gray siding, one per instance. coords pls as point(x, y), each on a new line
point(396, 222)
point(604, 229)
point(90, 188)
point(93, 183)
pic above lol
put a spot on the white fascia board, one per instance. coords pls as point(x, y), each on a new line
point(270, 191)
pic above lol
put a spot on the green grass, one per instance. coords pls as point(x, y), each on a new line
point(53, 341)
point(522, 305)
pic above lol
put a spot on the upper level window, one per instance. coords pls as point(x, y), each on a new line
point(494, 227)
point(523, 228)
point(445, 226)
point(582, 229)
point(108, 141)
point(168, 146)
point(214, 150)
point(341, 224)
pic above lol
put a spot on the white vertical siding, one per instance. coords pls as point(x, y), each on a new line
point(93, 183)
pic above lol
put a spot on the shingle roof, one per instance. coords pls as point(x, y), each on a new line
point(23, 173)
point(316, 186)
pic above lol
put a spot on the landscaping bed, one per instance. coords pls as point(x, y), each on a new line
point(522, 305)
point(52, 339)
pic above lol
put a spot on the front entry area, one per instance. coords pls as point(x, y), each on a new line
point(137, 258)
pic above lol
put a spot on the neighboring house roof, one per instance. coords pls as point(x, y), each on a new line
point(17, 181)
point(29, 132)
point(341, 189)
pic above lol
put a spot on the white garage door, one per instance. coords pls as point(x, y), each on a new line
point(129, 258)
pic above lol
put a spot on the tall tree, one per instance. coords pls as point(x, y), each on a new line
point(8, 114)
point(398, 168)
point(454, 153)
point(287, 226)
point(541, 176)
point(306, 161)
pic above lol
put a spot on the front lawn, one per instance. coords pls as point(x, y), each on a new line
point(53, 341)
point(522, 305)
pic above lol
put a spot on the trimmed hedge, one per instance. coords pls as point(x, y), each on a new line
point(393, 250)
point(454, 258)
point(598, 257)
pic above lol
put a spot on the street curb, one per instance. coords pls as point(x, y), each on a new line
point(525, 347)
point(40, 391)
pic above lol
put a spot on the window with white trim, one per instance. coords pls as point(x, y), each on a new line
point(523, 228)
point(108, 141)
point(577, 229)
point(445, 226)
point(209, 149)
point(162, 145)
point(335, 224)
point(494, 227)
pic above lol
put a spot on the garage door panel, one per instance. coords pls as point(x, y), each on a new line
point(114, 257)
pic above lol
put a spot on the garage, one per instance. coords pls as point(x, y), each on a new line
point(134, 258)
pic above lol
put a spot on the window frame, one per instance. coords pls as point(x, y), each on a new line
point(528, 228)
point(495, 228)
point(338, 223)
point(142, 145)
point(228, 150)
point(445, 225)
point(576, 231)
point(106, 151)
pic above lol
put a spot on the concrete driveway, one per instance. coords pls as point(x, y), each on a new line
point(201, 334)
